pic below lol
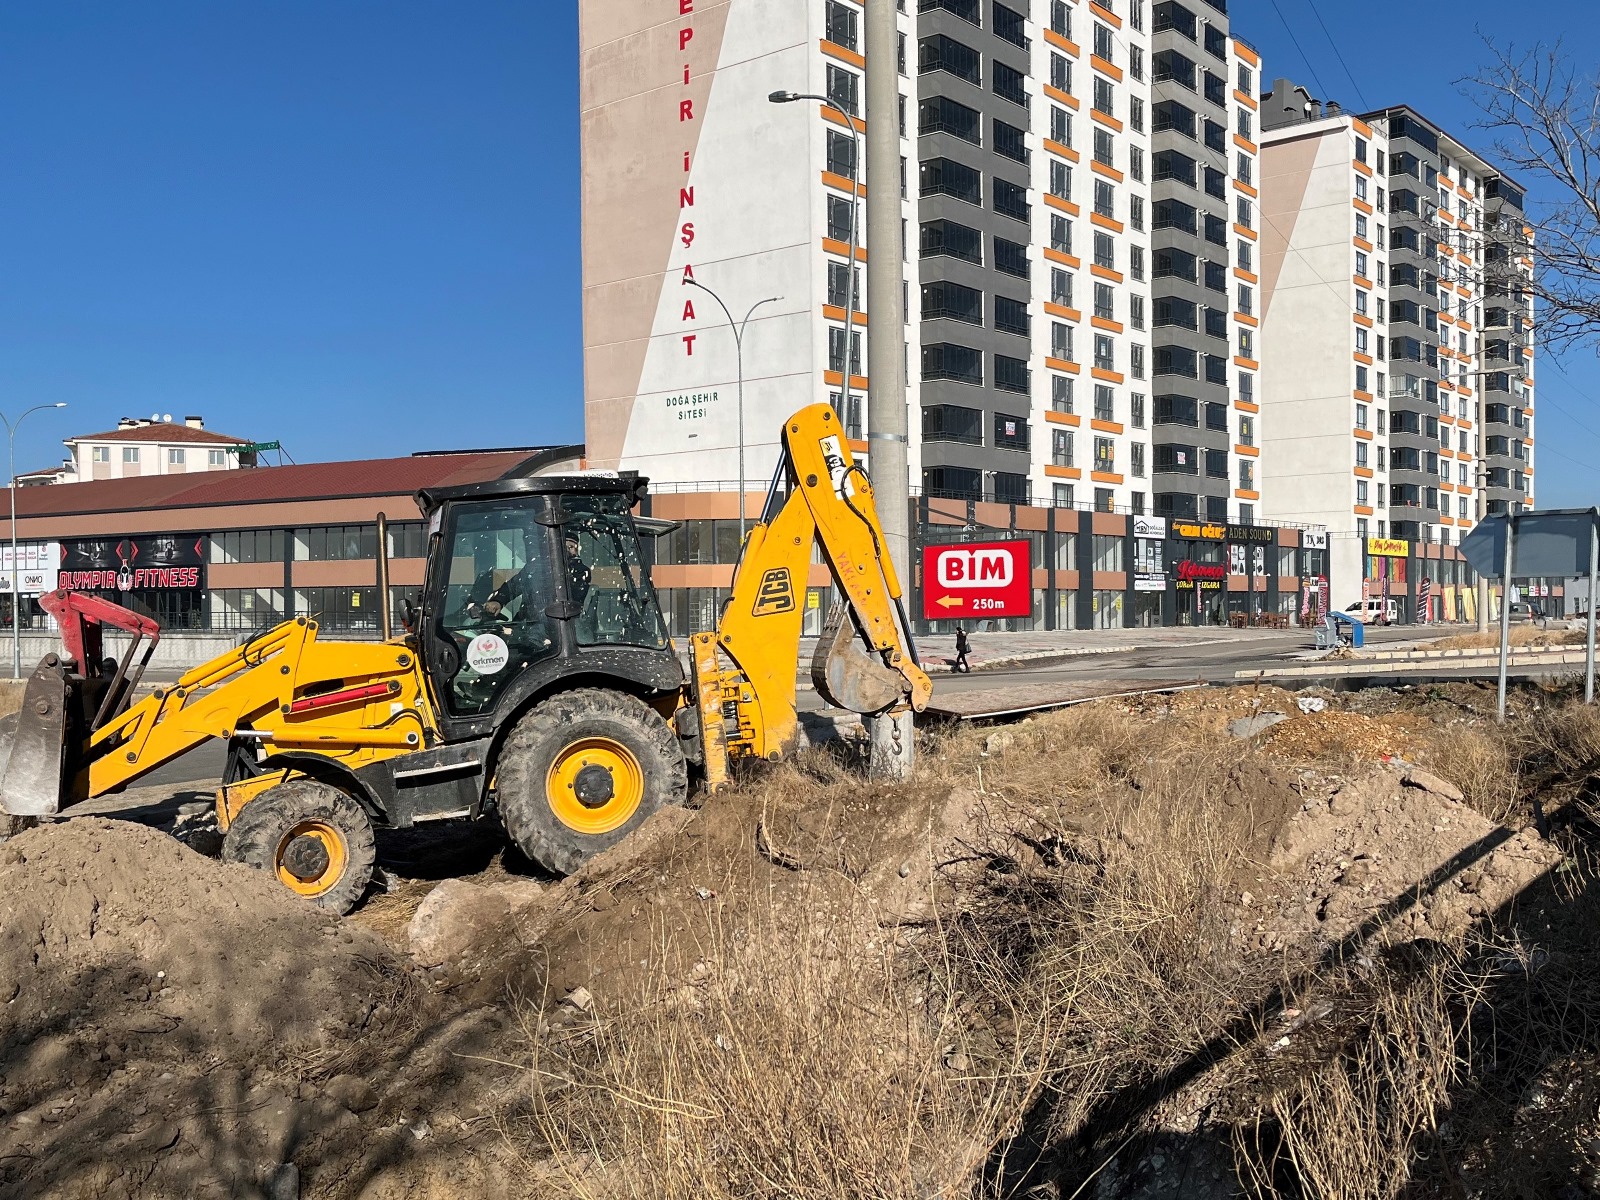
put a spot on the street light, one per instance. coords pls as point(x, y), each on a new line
point(855, 221)
point(738, 352)
point(16, 591)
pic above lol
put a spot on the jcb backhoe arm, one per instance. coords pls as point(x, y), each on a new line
point(744, 673)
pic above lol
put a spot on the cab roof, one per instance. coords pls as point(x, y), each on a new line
point(604, 483)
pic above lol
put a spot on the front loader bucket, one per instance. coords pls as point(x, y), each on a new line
point(30, 780)
point(846, 675)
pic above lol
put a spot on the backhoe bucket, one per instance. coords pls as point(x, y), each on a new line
point(846, 674)
point(31, 782)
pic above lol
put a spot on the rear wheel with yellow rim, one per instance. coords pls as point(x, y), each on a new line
point(315, 840)
point(581, 771)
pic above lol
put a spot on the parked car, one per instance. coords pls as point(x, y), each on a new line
point(1526, 612)
point(1374, 611)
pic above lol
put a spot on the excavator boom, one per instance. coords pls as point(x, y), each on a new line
point(744, 672)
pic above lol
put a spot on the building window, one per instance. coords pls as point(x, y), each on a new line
point(254, 546)
point(1361, 453)
point(1061, 341)
point(1247, 299)
point(841, 25)
point(1361, 491)
point(1104, 251)
point(175, 456)
point(1061, 448)
point(1060, 179)
point(1247, 431)
point(1060, 234)
point(1136, 114)
point(1104, 353)
point(1060, 287)
point(1102, 41)
point(844, 89)
point(1061, 388)
point(1136, 459)
point(1136, 311)
point(1105, 456)
point(130, 454)
point(1060, 126)
point(1103, 151)
point(1105, 407)
point(215, 458)
point(1103, 302)
point(1136, 410)
point(1060, 73)
point(1136, 261)
point(1104, 96)
point(1136, 163)
point(1136, 360)
point(1136, 62)
point(100, 454)
point(1063, 496)
point(332, 543)
point(1242, 212)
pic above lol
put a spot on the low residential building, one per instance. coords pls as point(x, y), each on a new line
point(155, 445)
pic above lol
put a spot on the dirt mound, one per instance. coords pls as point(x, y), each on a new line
point(1377, 849)
point(1340, 734)
point(176, 1026)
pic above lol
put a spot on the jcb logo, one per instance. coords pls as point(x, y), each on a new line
point(776, 594)
point(974, 568)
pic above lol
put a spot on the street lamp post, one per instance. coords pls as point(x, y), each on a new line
point(855, 223)
point(738, 353)
point(16, 591)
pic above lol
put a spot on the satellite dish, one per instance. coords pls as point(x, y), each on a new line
point(155, 416)
point(167, 417)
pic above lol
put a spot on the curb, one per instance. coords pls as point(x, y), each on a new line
point(1366, 666)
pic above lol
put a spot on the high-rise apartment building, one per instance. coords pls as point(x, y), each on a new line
point(1079, 186)
point(1397, 367)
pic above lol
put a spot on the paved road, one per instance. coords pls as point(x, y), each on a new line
point(1216, 662)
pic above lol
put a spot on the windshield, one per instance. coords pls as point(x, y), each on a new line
point(497, 594)
point(606, 579)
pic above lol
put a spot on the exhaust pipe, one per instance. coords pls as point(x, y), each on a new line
point(383, 577)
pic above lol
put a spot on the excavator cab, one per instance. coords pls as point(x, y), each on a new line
point(532, 584)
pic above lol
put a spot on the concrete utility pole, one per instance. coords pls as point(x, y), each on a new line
point(893, 737)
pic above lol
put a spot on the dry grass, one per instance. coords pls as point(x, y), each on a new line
point(1350, 1121)
point(1524, 636)
point(805, 1063)
point(1081, 954)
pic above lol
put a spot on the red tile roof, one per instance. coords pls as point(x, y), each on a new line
point(162, 431)
point(262, 485)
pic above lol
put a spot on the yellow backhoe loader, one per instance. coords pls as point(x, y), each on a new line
point(536, 679)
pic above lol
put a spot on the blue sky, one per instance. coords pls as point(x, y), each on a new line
point(353, 225)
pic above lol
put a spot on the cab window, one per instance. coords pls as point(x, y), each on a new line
point(498, 589)
point(606, 581)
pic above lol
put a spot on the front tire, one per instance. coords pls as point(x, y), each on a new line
point(581, 771)
point(313, 838)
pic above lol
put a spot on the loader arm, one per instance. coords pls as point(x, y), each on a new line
point(744, 672)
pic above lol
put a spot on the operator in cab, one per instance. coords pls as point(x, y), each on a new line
point(514, 595)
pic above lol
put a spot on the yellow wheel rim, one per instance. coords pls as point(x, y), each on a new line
point(595, 785)
point(311, 858)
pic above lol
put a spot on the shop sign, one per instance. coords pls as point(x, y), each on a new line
point(156, 563)
point(36, 567)
point(1262, 534)
point(1389, 547)
point(1213, 533)
point(1150, 527)
point(1313, 539)
point(31, 581)
point(1205, 576)
point(977, 579)
point(1146, 581)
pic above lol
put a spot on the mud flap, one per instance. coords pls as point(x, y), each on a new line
point(31, 784)
point(846, 674)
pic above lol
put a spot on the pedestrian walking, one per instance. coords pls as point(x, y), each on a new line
point(962, 646)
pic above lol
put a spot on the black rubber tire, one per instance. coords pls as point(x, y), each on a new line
point(259, 831)
point(539, 737)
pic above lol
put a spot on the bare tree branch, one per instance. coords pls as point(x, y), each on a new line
point(1545, 118)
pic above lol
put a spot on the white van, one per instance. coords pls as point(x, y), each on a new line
point(1376, 611)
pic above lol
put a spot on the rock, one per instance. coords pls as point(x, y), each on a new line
point(996, 742)
point(1427, 781)
point(579, 998)
point(1249, 727)
point(350, 1092)
point(451, 918)
point(519, 893)
point(285, 1183)
point(1311, 704)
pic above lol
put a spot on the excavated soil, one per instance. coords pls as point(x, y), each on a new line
point(174, 1026)
point(177, 1027)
